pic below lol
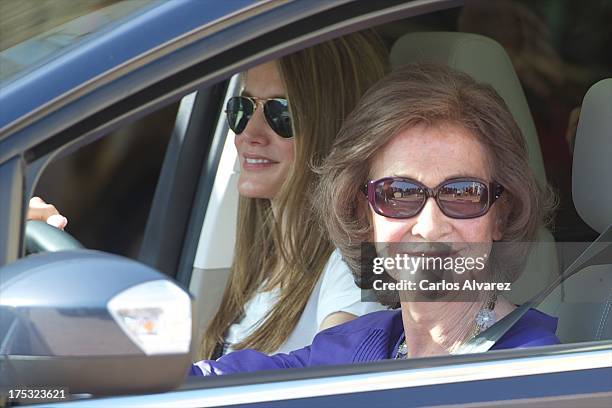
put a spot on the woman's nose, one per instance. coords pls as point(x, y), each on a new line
point(431, 224)
point(257, 130)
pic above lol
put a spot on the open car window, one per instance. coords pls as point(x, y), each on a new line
point(105, 189)
point(122, 192)
point(546, 56)
point(550, 87)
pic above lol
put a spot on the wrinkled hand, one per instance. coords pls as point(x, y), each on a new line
point(41, 211)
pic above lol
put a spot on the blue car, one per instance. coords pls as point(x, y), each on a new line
point(126, 101)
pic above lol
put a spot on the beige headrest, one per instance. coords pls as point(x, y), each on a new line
point(592, 167)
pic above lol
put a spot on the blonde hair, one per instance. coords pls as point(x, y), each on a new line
point(429, 94)
point(323, 84)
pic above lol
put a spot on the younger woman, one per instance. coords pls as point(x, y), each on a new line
point(286, 281)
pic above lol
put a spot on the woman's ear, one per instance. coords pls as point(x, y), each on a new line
point(364, 215)
point(497, 230)
point(499, 225)
point(362, 209)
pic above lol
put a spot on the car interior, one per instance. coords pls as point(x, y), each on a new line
point(583, 302)
point(493, 66)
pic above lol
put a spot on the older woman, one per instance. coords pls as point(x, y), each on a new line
point(423, 131)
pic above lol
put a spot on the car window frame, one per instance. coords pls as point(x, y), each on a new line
point(160, 94)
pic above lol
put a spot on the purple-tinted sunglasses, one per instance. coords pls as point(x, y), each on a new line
point(462, 198)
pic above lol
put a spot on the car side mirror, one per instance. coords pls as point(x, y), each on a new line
point(93, 322)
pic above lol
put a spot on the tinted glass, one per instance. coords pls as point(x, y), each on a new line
point(35, 31)
point(399, 198)
point(277, 115)
point(238, 110)
point(463, 198)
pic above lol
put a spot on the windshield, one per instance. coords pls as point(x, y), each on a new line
point(35, 31)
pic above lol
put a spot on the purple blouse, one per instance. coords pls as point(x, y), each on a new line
point(372, 337)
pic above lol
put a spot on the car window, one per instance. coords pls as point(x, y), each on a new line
point(554, 72)
point(558, 50)
point(35, 31)
point(105, 189)
point(91, 173)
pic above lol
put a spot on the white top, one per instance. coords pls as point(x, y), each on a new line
point(335, 291)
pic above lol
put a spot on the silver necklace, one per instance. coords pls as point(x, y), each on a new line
point(484, 319)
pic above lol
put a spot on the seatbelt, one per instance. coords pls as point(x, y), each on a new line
point(595, 254)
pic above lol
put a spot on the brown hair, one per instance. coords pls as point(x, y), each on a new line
point(429, 94)
point(323, 84)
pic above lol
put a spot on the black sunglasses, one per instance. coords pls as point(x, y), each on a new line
point(462, 198)
point(240, 109)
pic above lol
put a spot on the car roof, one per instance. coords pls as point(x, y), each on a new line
point(136, 34)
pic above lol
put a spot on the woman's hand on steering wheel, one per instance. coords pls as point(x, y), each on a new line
point(44, 230)
point(41, 211)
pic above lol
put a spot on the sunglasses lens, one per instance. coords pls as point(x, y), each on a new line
point(239, 110)
point(277, 115)
point(398, 198)
point(463, 199)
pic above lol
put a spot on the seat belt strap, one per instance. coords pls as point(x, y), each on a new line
point(594, 254)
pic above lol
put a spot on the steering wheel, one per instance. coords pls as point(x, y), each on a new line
point(42, 237)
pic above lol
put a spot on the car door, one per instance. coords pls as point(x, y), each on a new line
point(194, 70)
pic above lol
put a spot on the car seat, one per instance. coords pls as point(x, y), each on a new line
point(584, 303)
point(487, 61)
point(215, 252)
